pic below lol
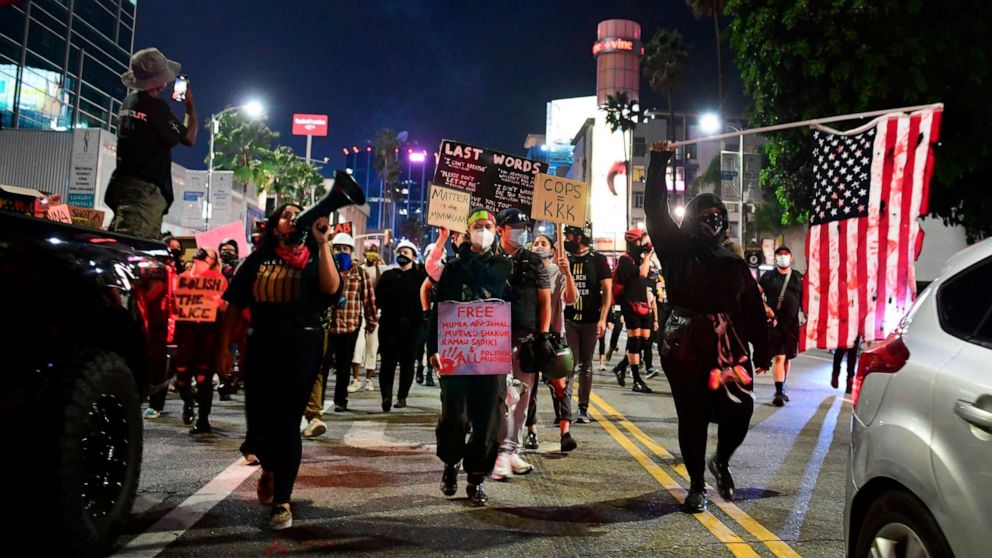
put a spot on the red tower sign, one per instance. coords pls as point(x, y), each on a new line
point(618, 54)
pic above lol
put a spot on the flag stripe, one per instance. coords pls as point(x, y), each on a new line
point(862, 266)
point(833, 295)
point(843, 308)
point(933, 132)
point(882, 229)
point(811, 301)
point(824, 290)
point(907, 215)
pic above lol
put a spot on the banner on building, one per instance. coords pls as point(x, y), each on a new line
point(495, 180)
point(474, 338)
point(560, 200)
point(448, 208)
point(197, 298)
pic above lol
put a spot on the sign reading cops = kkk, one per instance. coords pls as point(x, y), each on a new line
point(495, 180)
point(560, 200)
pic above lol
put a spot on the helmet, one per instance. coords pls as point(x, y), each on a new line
point(560, 366)
point(343, 239)
point(407, 244)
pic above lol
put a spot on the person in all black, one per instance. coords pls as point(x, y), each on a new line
point(401, 325)
point(783, 290)
point(140, 189)
point(716, 312)
point(630, 288)
point(852, 359)
point(585, 320)
point(478, 273)
point(530, 296)
point(288, 284)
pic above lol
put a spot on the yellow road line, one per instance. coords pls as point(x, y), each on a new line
point(774, 544)
point(723, 533)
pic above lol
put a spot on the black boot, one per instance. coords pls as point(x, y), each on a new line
point(620, 371)
point(204, 400)
point(449, 480)
point(429, 377)
point(189, 407)
point(419, 377)
point(724, 480)
point(695, 500)
point(639, 385)
point(477, 493)
point(835, 379)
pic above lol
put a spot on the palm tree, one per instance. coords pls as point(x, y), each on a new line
point(293, 178)
point(712, 8)
point(244, 146)
point(387, 165)
point(622, 115)
point(665, 57)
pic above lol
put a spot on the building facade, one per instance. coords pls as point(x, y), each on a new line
point(61, 61)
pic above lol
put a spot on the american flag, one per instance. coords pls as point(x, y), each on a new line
point(871, 185)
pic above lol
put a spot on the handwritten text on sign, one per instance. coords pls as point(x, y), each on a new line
point(448, 208)
point(474, 338)
point(560, 200)
point(197, 298)
point(495, 180)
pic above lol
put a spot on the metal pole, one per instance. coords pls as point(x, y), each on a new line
point(309, 145)
point(813, 122)
point(740, 172)
point(210, 170)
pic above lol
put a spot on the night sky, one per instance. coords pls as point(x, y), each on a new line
point(478, 72)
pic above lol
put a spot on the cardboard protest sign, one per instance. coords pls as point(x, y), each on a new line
point(495, 180)
point(474, 338)
point(60, 213)
point(213, 237)
point(448, 208)
point(87, 217)
point(560, 200)
point(197, 298)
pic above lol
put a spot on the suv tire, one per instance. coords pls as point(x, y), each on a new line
point(98, 457)
point(897, 518)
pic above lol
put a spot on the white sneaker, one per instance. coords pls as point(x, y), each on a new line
point(519, 466)
point(152, 413)
point(370, 384)
point(355, 385)
point(315, 427)
point(502, 468)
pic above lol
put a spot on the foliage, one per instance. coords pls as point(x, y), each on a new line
point(621, 113)
point(243, 145)
point(712, 8)
point(802, 60)
point(665, 58)
point(709, 177)
point(293, 178)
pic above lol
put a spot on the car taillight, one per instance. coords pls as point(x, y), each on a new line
point(888, 356)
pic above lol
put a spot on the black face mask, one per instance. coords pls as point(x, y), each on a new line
point(403, 260)
point(464, 250)
point(712, 224)
point(229, 258)
point(572, 246)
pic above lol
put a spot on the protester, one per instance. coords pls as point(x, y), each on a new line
point(196, 344)
point(344, 321)
point(156, 399)
point(717, 312)
point(529, 291)
point(140, 188)
point(630, 288)
point(288, 284)
point(228, 250)
point(563, 292)
point(367, 345)
point(852, 358)
point(586, 317)
point(402, 323)
point(783, 288)
point(176, 251)
point(434, 257)
point(479, 400)
point(229, 257)
point(616, 324)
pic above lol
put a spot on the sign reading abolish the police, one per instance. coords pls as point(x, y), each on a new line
point(474, 338)
point(495, 180)
point(560, 200)
point(448, 208)
point(197, 298)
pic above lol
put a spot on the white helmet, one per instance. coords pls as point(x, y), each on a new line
point(343, 239)
point(407, 244)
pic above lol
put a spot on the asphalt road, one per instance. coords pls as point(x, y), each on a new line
point(369, 486)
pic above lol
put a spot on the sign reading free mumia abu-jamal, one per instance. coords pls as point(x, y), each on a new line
point(495, 180)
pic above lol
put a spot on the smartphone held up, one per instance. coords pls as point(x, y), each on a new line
point(180, 88)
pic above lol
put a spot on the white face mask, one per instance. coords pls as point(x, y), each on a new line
point(543, 252)
point(783, 260)
point(483, 238)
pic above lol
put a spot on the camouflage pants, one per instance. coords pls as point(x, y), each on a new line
point(138, 207)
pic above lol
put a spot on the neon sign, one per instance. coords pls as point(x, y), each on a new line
point(614, 44)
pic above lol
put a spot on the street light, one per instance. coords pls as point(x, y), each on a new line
point(420, 158)
point(710, 124)
point(253, 110)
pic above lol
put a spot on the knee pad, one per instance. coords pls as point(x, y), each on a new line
point(633, 345)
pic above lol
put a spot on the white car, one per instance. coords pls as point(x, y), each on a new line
point(919, 478)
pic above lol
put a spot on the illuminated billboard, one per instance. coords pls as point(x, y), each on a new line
point(608, 185)
point(42, 97)
point(566, 116)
